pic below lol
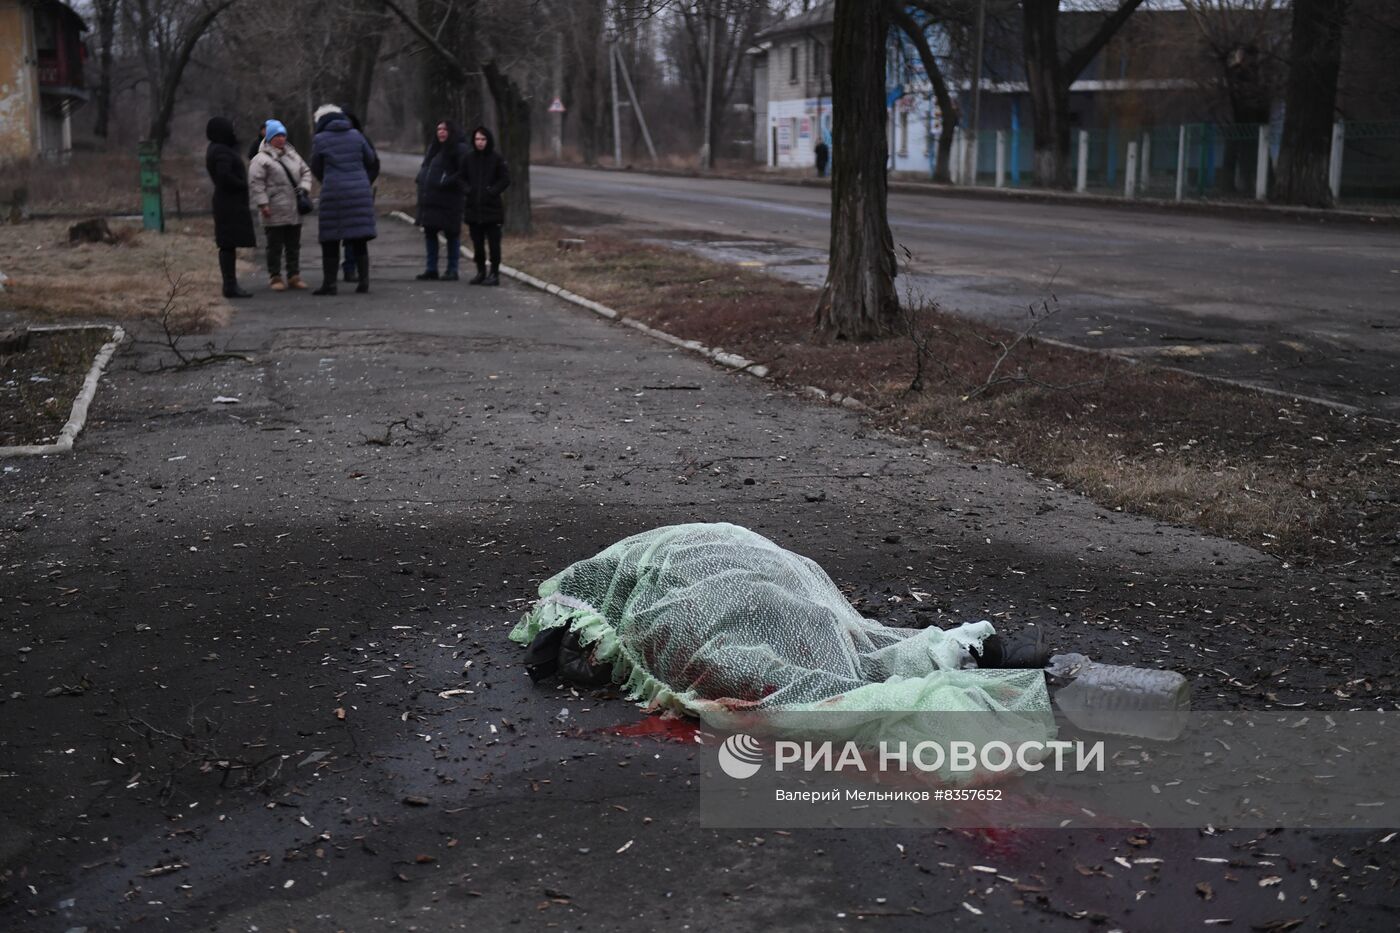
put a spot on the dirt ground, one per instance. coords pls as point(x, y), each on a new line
point(39, 383)
point(1303, 481)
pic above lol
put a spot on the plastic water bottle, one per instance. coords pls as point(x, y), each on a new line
point(1121, 700)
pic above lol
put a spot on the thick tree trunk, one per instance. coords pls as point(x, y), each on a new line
point(1049, 92)
point(364, 56)
point(450, 88)
point(106, 32)
point(1050, 78)
point(1315, 61)
point(858, 301)
point(513, 134)
point(947, 110)
point(589, 68)
point(175, 70)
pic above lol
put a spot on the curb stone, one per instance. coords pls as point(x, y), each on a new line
point(719, 355)
point(77, 417)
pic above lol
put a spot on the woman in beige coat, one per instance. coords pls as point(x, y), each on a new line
point(273, 179)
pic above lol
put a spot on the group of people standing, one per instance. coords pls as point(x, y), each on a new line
point(459, 180)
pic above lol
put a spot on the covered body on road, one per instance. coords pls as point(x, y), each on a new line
point(716, 621)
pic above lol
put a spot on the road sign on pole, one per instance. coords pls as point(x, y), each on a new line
point(556, 106)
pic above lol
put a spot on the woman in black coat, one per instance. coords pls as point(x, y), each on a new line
point(484, 176)
point(233, 219)
point(440, 198)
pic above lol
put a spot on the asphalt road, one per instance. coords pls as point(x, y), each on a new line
point(1302, 307)
point(254, 671)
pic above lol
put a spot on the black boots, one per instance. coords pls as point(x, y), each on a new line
point(330, 268)
point(1023, 652)
point(228, 268)
point(480, 276)
point(362, 260)
point(492, 278)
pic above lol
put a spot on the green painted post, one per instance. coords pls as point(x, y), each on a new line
point(152, 211)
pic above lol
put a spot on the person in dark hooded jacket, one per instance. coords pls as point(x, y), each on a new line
point(233, 221)
point(484, 177)
point(440, 198)
point(343, 160)
point(352, 273)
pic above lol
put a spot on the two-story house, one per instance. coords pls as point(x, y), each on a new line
point(41, 78)
point(792, 95)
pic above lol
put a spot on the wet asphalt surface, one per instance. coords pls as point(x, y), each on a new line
point(254, 672)
point(1299, 306)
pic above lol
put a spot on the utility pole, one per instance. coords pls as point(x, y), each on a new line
point(971, 152)
point(556, 119)
point(636, 107)
point(617, 124)
point(706, 156)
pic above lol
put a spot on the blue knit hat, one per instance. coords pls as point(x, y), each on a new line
point(274, 128)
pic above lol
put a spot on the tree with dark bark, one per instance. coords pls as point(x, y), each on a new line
point(858, 301)
point(947, 110)
point(1049, 77)
point(512, 103)
point(1315, 61)
point(106, 15)
point(171, 31)
point(732, 25)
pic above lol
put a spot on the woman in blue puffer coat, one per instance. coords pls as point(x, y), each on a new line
point(345, 163)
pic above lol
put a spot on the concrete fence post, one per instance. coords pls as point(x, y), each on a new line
point(1334, 164)
point(1145, 179)
point(1001, 158)
point(1082, 180)
point(1261, 165)
point(1131, 175)
point(1181, 163)
point(955, 158)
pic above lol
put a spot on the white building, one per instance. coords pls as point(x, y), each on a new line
point(792, 96)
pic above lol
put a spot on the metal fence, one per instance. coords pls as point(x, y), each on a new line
point(1188, 161)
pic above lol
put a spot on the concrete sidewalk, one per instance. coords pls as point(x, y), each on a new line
point(254, 669)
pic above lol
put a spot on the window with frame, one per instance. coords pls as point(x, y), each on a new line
point(792, 64)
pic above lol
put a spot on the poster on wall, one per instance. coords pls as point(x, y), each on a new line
point(784, 137)
point(805, 131)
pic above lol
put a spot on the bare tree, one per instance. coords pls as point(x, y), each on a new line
point(171, 30)
point(1050, 75)
point(917, 33)
point(858, 301)
point(106, 14)
point(714, 34)
point(1315, 61)
point(1243, 42)
point(504, 38)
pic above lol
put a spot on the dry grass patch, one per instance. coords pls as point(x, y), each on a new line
point(105, 183)
point(1295, 478)
point(126, 281)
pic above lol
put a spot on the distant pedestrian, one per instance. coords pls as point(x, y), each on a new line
point(233, 221)
point(485, 176)
point(440, 198)
point(348, 266)
point(823, 153)
point(342, 159)
point(276, 176)
point(257, 143)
